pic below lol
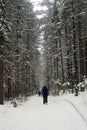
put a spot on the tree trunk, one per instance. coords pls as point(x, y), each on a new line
point(75, 73)
point(1, 81)
point(61, 57)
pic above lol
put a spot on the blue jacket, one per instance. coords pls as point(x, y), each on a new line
point(45, 91)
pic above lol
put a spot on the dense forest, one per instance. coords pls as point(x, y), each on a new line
point(65, 42)
point(18, 49)
point(64, 29)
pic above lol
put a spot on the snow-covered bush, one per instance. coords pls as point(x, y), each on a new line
point(14, 103)
point(82, 85)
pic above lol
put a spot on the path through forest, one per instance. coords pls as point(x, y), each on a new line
point(56, 115)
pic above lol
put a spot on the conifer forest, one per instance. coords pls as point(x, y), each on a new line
point(50, 50)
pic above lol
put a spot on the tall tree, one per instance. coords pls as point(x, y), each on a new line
point(2, 42)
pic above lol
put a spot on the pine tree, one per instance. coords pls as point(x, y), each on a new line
point(2, 41)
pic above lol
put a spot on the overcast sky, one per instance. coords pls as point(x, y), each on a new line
point(37, 6)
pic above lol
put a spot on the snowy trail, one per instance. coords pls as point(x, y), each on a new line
point(54, 116)
point(76, 110)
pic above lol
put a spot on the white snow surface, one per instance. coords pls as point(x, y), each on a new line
point(65, 112)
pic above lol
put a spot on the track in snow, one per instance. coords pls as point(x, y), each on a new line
point(82, 117)
point(54, 116)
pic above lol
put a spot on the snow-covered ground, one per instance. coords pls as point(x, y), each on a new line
point(66, 112)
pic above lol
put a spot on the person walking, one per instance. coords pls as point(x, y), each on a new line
point(39, 93)
point(45, 94)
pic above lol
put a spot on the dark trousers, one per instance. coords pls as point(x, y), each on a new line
point(45, 100)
